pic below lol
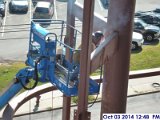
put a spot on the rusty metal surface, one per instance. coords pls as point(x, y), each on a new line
point(70, 31)
point(69, 41)
point(144, 73)
point(66, 108)
point(75, 115)
point(141, 75)
point(85, 115)
point(116, 69)
point(104, 51)
point(85, 59)
point(10, 110)
point(88, 114)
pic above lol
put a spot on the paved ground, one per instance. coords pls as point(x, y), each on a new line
point(14, 34)
point(134, 105)
point(139, 104)
point(54, 99)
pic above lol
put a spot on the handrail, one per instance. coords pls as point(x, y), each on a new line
point(65, 45)
point(11, 109)
point(144, 73)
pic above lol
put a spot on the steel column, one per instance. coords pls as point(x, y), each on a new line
point(116, 69)
point(66, 108)
point(69, 40)
point(82, 113)
point(70, 22)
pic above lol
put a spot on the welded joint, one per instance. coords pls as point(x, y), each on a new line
point(105, 51)
point(113, 47)
point(79, 117)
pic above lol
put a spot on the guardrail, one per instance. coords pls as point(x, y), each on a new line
point(11, 109)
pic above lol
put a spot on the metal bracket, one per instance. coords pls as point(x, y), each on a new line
point(83, 116)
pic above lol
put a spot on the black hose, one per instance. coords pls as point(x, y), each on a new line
point(156, 85)
point(27, 81)
point(36, 75)
point(101, 69)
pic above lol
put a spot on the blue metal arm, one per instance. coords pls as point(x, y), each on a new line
point(44, 67)
point(19, 82)
point(10, 93)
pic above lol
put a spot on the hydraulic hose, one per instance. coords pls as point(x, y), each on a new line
point(35, 73)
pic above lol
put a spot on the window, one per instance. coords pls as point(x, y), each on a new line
point(42, 10)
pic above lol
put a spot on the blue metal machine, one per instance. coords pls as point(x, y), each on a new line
point(44, 66)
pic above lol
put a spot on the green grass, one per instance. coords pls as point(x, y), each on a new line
point(8, 72)
point(91, 98)
point(148, 58)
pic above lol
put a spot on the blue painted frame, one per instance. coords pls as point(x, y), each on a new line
point(43, 50)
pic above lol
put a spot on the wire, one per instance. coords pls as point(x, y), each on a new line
point(36, 75)
point(99, 88)
point(101, 69)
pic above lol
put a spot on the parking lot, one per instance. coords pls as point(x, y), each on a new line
point(14, 32)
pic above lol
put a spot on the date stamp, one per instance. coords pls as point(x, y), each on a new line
point(131, 117)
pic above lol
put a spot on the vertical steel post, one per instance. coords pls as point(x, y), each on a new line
point(70, 31)
point(69, 40)
point(66, 108)
point(116, 69)
point(82, 113)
